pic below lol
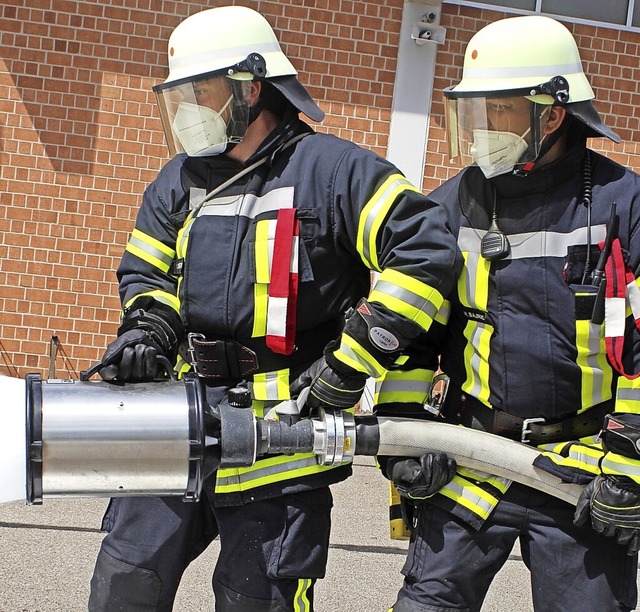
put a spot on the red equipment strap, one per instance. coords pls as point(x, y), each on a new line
point(283, 285)
point(621, 288)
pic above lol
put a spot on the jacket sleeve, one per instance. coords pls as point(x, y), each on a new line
point(406, 389)
point(403, 236)
point(146, 265)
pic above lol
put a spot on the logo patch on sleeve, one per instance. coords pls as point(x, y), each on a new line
point(383, 339)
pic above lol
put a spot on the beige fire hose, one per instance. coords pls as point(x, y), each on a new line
point(473, 449)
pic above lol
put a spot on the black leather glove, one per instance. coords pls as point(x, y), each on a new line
point(146, 344)
point(330, 387)
point(418, 479)
point(613, 505)
point(132, 357)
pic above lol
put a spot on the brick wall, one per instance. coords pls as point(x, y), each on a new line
point(80, 137)
point(610, 60)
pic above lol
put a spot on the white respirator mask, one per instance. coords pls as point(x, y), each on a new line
point(201, 130)
point(497, 152)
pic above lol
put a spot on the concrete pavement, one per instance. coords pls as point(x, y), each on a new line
point(47, 554)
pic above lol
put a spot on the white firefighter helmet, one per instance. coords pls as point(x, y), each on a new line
point(229, 46)
point(534, 57)
point(519, 53)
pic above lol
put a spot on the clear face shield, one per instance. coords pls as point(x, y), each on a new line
point(205, 115)
point(496, 133)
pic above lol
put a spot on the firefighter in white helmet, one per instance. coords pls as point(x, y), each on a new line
point(248, 249)
point(542, 342)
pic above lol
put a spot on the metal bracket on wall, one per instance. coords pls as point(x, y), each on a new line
point(428, 29)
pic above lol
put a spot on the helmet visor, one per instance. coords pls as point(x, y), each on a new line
point(205, 115)
point(500, 131)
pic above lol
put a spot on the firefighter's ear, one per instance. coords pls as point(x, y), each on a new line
point(256, 88)
point(555, 118)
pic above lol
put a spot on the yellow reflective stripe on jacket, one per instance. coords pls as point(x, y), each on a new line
point(168, 299)
point(619, 465)
point(501, 484)
point(472, 496)
point(443, 314)
point(373, 215)
point(407, 296)
point(583, 454)
point(628, 395)
point(150, 250)
point(183, 237)
point(403, 386)
point(301, 601)
point(473, 292)
point(268, 471)
point(597, 374)
point(260, 304)
point(182, 367)
point(355, 356)
point(271, 386)
point(263, 252)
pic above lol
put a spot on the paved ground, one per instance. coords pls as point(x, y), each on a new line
point(47, 554)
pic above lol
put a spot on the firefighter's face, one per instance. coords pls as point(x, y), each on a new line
point(508, 115)
point(213, 93)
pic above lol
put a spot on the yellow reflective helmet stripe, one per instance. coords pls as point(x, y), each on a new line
point(149, 249)
point(373, 215)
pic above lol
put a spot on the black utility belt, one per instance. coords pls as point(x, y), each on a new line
point(226, 359)
point(470, 412)
point(221, 359)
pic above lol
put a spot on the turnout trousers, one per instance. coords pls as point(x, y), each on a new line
point(271, 552)
point(450, 566)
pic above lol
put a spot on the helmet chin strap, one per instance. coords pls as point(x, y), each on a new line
point(255, 110)
point(546, 143)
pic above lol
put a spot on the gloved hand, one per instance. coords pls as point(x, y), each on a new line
point(418, 479)
point(330, 387)
point(146, 344)
point(132, 357)
point(613, 504)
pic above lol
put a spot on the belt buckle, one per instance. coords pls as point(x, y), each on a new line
point(191, 336)
point(524, 434)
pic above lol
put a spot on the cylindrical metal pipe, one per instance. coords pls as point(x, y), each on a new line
point(93, 439)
